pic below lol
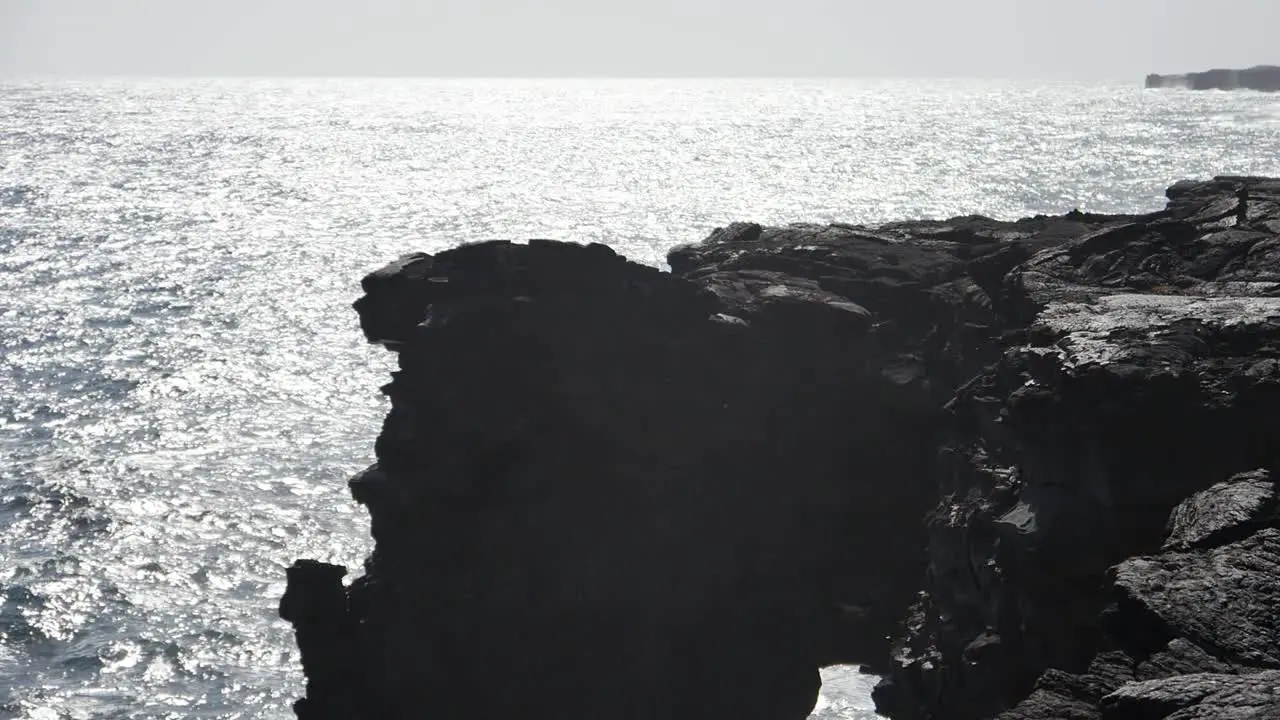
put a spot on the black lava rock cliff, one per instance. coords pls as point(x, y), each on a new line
point(1021, 469)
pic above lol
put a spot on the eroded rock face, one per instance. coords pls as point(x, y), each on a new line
point(1234, 508)
point(600, 481)
point(1150, 375)
point(638, 494)
point(1198, 696)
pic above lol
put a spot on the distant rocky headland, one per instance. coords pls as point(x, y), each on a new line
point(1260, 77)
point(1022, 470)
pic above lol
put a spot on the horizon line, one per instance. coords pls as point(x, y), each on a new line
point(550, 76)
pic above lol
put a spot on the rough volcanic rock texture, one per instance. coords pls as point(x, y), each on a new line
point(1198, 696)
point(636, 494)
point(1153, 372)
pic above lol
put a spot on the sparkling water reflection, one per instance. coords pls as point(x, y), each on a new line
point(184, 390)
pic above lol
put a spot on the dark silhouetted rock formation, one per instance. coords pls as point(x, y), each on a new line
point(1018, 468)
point(1260, 77)
point(1151, 371)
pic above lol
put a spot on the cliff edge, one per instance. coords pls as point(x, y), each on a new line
point(1022, 469)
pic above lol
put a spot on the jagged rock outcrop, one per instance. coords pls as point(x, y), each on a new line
point(1259, 77)
point(1151, 372)
point(1013, 448)
point(1199, 696)
point(1190, 632)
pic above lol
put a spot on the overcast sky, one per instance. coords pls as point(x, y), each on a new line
point(1085, 39)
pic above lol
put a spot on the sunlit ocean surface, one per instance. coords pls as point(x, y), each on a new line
point(184, 389)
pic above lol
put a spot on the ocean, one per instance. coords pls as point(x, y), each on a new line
point(184, 389)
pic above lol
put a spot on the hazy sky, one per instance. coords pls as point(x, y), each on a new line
point(1086, 39)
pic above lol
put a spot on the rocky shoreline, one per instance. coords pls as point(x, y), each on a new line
point(1259, 77)
point(1021, 469)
